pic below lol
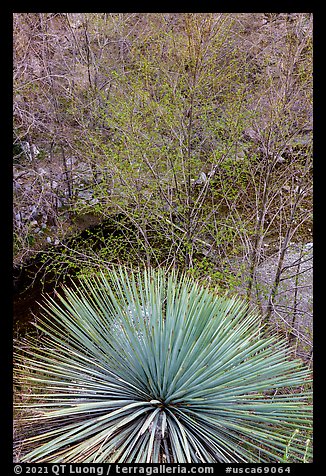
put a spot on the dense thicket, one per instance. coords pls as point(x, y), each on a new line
point(195, 127)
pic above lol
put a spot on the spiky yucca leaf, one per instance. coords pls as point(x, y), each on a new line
point(152, 367)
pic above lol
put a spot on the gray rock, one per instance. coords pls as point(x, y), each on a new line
point(42, 171)
point(30, 150)
point(85, 195)
point(70, 160)
point(34, 212)
point(280, 159)
point(201, 179)
point(294, 298)
point(16, 185)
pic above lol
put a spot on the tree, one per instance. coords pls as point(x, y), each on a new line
point(196, 127)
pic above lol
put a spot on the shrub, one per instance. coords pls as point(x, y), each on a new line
point(151, 367)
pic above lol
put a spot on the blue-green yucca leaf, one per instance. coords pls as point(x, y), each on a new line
point(151, 367)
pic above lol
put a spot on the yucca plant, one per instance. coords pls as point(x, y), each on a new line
point(152, 367)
